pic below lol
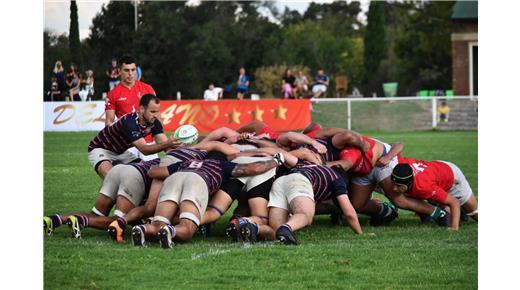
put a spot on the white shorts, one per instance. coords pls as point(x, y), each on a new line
point(460, 189)
point(287, 188)
point(319, 88)
point(99, 154)
point(182, 186)
point(255, 180)
point(124, 180)
point(141, 156)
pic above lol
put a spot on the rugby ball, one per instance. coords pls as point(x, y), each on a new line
point(187, 134)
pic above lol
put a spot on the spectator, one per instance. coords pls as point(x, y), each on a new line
point(113, 74)
point(138, 73)
point(54, 93)
point(88, 89)
point(320, 83)
point(288, 84)
point(73, 80)
point(59, 74)
point(302, 84)
point(444, 112)
point(242, 84)
point(212, 93)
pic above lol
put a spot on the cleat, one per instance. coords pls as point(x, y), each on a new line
point(232, 230)
point(74, 226)
point(166, 237)
point(138, 236)
point(48, 227)
point(444, 219)
point(285, 236)
point(115, 231)
point(249, 232)
point(377, 220)
point(205, 230)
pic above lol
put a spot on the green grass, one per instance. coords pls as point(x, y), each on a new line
point(404, 255)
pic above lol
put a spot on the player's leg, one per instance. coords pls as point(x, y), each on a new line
point(103, 168)
point(471, 207)
point(302, 209)
point(148, 209)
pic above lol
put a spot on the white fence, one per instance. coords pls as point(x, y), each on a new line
point(397, 113)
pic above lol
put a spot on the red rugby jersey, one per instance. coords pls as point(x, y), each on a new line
point(432, 179)
point(124, 100)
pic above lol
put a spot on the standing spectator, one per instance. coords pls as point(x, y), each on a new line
point(59, 73)
point(288, 80)
point(113, 74)
point(212, 93)
point(88, 89)
point(125, 98)
point(73, 81)
point(54, 93)
point(242, 84)
point(320, 83)
point(302, 84)
point(138, 73)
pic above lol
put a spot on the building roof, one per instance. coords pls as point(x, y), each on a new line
point(465, 10)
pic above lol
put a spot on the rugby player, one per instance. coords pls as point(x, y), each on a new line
point(126, 186)
point(111, 142)
point(187, 188)
point(438, 181)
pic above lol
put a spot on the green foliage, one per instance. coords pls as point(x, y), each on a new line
point(375, 47)
point(74, 44)
point(269, 79)
point(404, 255)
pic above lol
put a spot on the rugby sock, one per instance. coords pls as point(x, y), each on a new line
point(384, 211)
point(56, 220)
point(121, 221)
point(216, 209)
point(173, 231)
point(287, 226)
point(436, 213)
point(82, 220)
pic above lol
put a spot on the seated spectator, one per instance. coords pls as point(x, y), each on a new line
point(212, 93)
point(88, 90)
point(288, 84)
point(73, 81)
point(444, 112)
point(302, 84)
point(320, 83)
point(242, 84)
point(54, 93)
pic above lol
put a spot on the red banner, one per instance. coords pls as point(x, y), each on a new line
point(280, 115)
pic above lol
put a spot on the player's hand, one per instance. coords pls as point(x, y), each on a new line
point(366, 146)
point(278, 157)
point(319, 147)
point(383, 161)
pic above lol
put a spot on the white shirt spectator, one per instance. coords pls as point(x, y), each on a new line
point(212, 93)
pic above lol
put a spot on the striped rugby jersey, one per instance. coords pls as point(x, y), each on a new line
point(118, 137)
point(332, 153)
point(214, 172)
point(143, 168)
point(186, 153)
point(326, 183)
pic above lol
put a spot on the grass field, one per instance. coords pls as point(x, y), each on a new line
point(404, 255)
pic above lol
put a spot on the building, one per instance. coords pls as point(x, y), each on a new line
point(464, 48)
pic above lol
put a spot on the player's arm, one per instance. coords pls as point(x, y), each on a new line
point(349, 212)
point(329, 132)
point(289, 159)
point(306, 154)
point(286, 139)
point(454, 205)
point(219, 133)
point(349, 138)
point(161, 172)
point(256, 168)
point(217, 146)
point(148, 149)
point(110, 116)
point(385, 160)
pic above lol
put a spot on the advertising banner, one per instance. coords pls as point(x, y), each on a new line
point(280, 115)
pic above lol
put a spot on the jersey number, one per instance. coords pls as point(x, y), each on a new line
point(419, 166)
point(195, 164)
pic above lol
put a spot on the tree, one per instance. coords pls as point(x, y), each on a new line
point(375, 47)
point(74, 43)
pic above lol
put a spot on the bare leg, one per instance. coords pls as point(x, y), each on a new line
point(149, 207)
point(302, 209)
point(104, 168)
point(186, 228)
point(220, 200)
point(277, 217)
point(471, 206)
point(166, 209)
